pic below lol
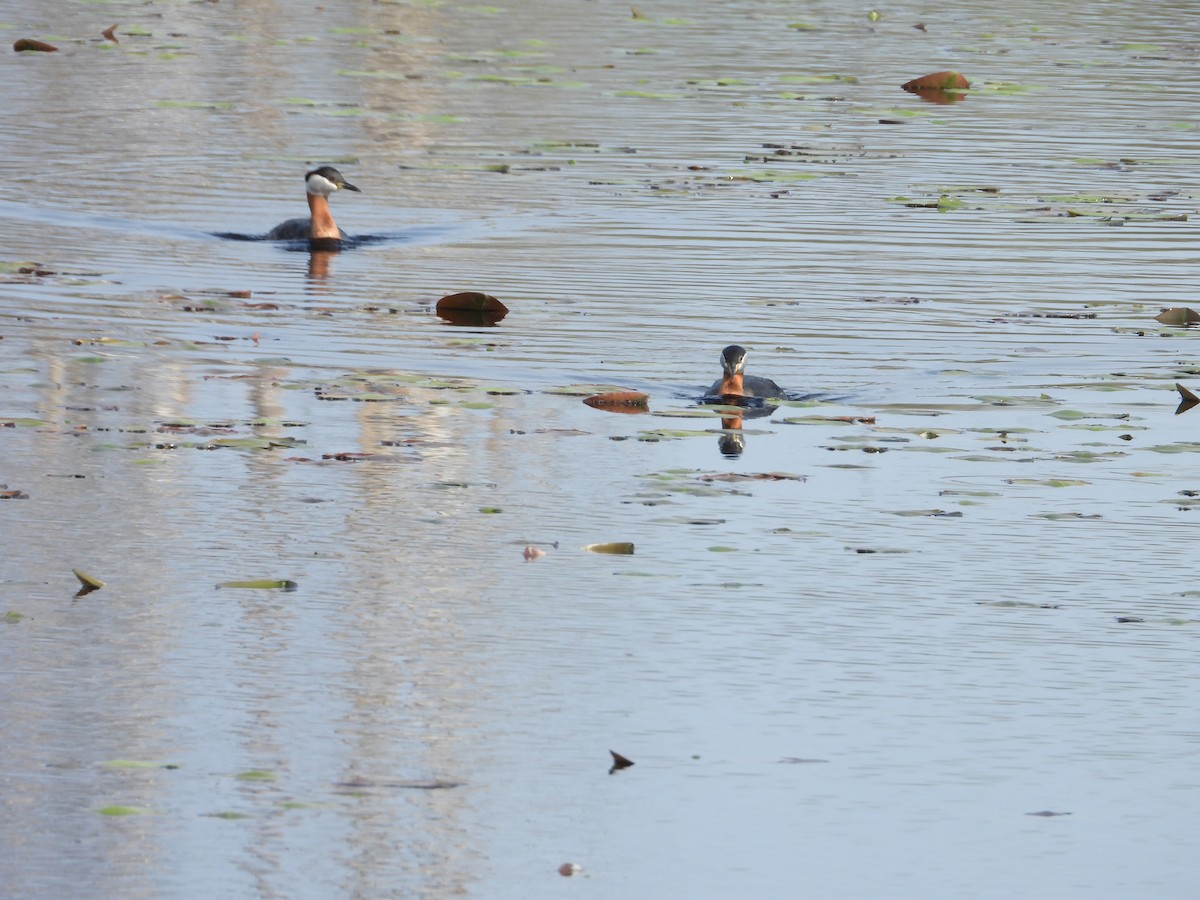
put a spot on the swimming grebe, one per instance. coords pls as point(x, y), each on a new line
point(733, 361)
point(319, 227)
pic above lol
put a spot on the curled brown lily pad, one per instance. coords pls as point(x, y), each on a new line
point(937, 81)
point(1178, 315)
point(31, 44)
point(470, 308)
point(620, 401)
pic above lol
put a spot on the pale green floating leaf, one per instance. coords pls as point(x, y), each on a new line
point(372, 73)
point(490, 510)
point(229, 814)
point(353, 29)
point(801, 26)
point(192, 104)
point(1050, 482)
point(667, 434)
point(122, 811)
point(261, 584)
point(89, 582)
point(1068, 414)
point(702, 413)
point(647, 95)
point(136, 764)
point(1184, 447)
point(1013, 604)
point(720, 549)
point(255, 775)
point(12, 617)
point(1064, 517)
point(778, 176)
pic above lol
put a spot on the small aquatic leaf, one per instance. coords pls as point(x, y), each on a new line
point(937, 81)
point(262, 584)
point(255, 775)
point(122, 811)
point(1178, 315)
point(23, 44)
point(619, 761)
point(618, 547)
point(620, 401)
point(1049, 482)
point(136, 764)
point(229, 814)
point(89, 582)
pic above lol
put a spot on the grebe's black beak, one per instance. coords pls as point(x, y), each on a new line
point(733, 359)
point(347, 186)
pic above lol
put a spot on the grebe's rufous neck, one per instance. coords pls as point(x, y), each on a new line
point(319, 227)
point(737, 384)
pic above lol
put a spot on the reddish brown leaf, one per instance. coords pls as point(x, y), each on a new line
point(937, 81)
point(31, 44)
point(620, 401)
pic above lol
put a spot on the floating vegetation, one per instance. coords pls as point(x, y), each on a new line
point(261, 584)
point(620, 548)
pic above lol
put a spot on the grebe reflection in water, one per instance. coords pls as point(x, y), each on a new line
point(318, 229)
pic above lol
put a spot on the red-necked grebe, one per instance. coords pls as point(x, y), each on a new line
point(319, 184)
point(736, 384)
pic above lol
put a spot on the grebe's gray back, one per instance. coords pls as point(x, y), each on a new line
point(735, 383)
point(319, 226)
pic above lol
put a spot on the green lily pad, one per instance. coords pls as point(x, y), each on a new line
point(261, 584)
point(255, 775)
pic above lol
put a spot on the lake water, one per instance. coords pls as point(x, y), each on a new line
point(968, 599)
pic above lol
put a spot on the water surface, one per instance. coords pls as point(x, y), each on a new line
point(857, 682)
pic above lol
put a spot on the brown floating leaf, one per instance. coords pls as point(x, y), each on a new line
point(937, 81)
point(31, 44)
point(620, 401)
point(1178, 315)
point(754, 476)
point(619, 762)
point(567, 869)
point(110, 33)
point(620, 547)
point(1186, 399)
point(471, 301)
point(88, 583)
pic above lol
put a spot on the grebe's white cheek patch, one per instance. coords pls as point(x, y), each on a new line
point(319, 184)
